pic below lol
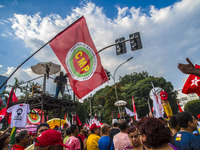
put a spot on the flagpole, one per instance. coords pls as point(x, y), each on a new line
point(37, 52)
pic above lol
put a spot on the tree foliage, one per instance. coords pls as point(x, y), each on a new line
point(137, 85)
point(193, 107)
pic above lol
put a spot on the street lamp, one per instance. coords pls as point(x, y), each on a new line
point(114, 81)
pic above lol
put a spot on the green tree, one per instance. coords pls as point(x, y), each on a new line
point(137, 85)
point(193, 107)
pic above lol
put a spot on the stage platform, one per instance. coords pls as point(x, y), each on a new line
point(48, 102)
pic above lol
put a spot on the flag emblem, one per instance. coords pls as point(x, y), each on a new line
point(81, 62)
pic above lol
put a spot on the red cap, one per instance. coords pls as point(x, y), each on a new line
point(50, 137)
point(94, 126)
point(198, 116)
point(163, 95)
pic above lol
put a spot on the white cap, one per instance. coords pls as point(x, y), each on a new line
point(114, 121)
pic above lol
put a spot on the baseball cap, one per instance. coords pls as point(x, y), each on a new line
point(50, 137)
point(41, 125)
point(163, 95)
point(114, 121)
point(94, 126)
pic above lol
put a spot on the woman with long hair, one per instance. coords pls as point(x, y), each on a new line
point(4, 141)
point(154, 134)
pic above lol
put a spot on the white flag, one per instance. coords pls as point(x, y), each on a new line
point(129, 112)
point(157, 105)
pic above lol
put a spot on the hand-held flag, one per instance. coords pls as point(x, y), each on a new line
point(192, 84)
point(134, 109)
point(78, 55)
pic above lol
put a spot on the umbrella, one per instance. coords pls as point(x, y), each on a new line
point(48, 68)
point(56, 122)
point(120, 103)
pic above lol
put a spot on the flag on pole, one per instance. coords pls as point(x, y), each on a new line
point(12, 135)
point(11, 99)
point(129, 112)
point(179, 107)
point(134, 109)
point(78, 55)
point(78, 120)
point(192, 84)
point(157, 104)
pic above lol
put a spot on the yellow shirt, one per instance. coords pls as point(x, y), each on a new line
point(92, 142)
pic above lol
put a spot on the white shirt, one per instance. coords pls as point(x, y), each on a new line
point(19, 115)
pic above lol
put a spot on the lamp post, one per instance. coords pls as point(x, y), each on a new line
point(114, 81)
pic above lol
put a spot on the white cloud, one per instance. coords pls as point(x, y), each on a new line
point(2, 6)
point(169, 35)
point(1, 66)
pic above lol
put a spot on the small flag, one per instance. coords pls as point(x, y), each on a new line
point(179, 107)
point(78, 55)
point(12, 135)
point(11, 99)
point(129, 112)
point(2, 113)
point(78, 120)
point(192, 84)
point(134, 109)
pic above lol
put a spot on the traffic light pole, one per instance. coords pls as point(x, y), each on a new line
point(114, 44)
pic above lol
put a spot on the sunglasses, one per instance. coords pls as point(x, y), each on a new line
point(135, 136)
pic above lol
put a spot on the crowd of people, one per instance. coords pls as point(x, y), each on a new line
point(180, 132)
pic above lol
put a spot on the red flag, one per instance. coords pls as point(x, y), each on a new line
point(78, 120)
point(179, 107)
point(2, 113)
point(78, 55)
point(134, 109)
point(118, 115)
point(192, 84)
point(11, 99)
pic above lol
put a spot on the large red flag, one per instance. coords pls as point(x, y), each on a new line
point(192, 84)
point(77, 53)
point(134, 109)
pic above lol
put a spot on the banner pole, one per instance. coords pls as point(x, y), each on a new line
point(36, 52)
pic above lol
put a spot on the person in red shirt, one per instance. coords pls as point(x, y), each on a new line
point(22, 140)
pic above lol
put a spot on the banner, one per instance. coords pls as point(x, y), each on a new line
point(78, 55)
point(192, 84)
point(34, 117)
point(158, 110)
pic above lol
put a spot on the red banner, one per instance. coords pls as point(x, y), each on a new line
point(192, 85)
point(78, 55)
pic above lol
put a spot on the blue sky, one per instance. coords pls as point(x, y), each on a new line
point(169, 29)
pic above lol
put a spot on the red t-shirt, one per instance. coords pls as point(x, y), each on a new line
point(18, 147)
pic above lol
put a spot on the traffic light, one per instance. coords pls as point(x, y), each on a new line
point(108, 74)
point(135, 41)
point(120, 46)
